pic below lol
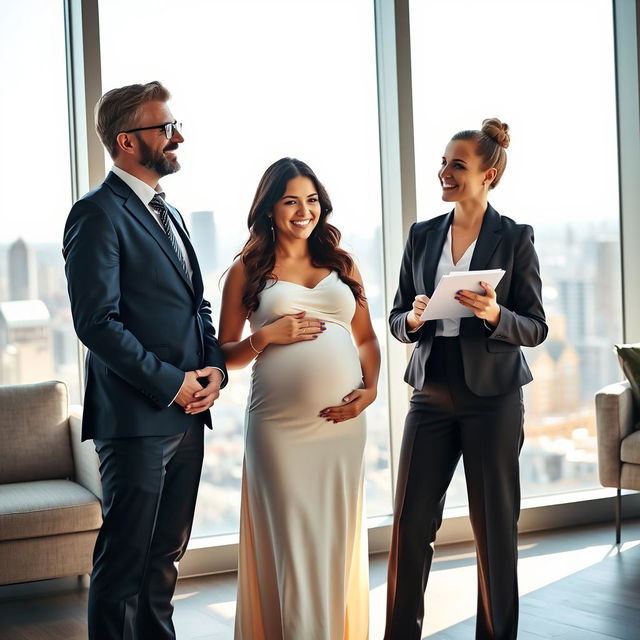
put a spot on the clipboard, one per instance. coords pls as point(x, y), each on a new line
point(443, 304)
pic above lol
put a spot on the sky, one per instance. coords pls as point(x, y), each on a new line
point(546, 67)
point(253, 81)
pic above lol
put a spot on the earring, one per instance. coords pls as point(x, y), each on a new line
point(273, 233)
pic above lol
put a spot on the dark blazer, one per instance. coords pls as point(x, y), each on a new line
point(493, 361)
point(144, 323)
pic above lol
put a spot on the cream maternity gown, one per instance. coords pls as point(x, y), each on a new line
point(303, 571)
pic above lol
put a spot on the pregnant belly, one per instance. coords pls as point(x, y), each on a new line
point(307, 376)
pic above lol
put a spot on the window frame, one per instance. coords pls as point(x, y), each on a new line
point(398, 183)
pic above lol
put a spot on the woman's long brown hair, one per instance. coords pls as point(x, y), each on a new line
point(258, 254)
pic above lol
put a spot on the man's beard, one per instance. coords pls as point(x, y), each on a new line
point(158, 162)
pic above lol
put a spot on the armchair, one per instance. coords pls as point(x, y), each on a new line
point(50, 509)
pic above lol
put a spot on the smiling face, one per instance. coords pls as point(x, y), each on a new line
point(155, 152)
point(296, 214)
point(461, 174)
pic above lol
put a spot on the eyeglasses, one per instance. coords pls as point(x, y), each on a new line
point(169, 128)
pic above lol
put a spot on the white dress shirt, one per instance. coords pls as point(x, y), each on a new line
point(450, 327)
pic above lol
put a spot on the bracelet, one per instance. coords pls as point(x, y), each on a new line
point(251, 344)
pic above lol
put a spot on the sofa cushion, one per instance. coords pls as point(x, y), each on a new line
point(34, 432)
point(630, 448)
point(629, 358)
point(46, 507)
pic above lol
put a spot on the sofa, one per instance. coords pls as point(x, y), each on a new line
point(50, 509)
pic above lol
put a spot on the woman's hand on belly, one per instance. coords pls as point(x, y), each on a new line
point(292, 328)
point(355, 403)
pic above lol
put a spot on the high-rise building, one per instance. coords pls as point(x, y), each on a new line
point(203, 238)
point(556, 366)
point(23, 279)
point(25, 342)
point(609, 310)
point(577, 300)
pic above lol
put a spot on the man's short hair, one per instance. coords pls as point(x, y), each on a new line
point(119, 109)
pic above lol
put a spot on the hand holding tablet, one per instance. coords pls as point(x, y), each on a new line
point(443, 303)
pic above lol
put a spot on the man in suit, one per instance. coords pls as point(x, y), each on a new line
point(153, 367)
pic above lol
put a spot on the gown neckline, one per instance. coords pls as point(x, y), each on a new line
point(296, 284)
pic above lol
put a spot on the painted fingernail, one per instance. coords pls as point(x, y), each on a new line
point(459, 292)
point(322, 322)
point(323, 328)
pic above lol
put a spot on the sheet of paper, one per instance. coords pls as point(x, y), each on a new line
point(443, 303)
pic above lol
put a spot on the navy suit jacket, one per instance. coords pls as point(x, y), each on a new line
point(493, 361)
point(143, 322)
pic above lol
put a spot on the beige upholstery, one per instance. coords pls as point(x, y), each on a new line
point(34, 433)
point(618, 440)
point(46, 508)
point(615, 421)
point(630, 449)
point(50, 510)
point(38, 558)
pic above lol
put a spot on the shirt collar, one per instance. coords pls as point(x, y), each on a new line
point(140, 188)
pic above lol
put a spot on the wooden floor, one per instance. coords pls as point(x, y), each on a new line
point(574, 583)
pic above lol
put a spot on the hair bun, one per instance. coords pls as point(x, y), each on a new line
point(497, 130)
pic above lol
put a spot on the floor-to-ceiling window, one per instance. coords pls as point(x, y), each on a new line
point(546, 67)
point(37, 341)
point(254, 81)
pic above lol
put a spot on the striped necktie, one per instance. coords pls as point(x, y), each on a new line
point(158, 204)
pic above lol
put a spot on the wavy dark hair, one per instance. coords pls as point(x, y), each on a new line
point(258, 254)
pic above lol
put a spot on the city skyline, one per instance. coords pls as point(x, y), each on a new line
point(562, 175)
point(557, 406)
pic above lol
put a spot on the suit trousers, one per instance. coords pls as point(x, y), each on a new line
point(149, 489)
point(445, 421)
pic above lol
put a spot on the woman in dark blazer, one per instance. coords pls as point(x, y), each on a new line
point(467, 376)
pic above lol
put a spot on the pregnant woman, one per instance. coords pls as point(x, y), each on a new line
point(303, 571)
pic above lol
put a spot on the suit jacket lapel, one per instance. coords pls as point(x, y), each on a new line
point(134, 205)
point(488, 239)
point(434, 242)
point(198, 285)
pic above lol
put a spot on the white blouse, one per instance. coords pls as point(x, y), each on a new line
point(450, 327)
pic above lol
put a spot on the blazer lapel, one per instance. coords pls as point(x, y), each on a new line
point(134, 205)
point(434, 242)
point(139, 211)
point(198, 285)
point(488, 239)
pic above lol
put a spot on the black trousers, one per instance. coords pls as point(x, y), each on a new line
point(446, 420)
point(149, 489)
